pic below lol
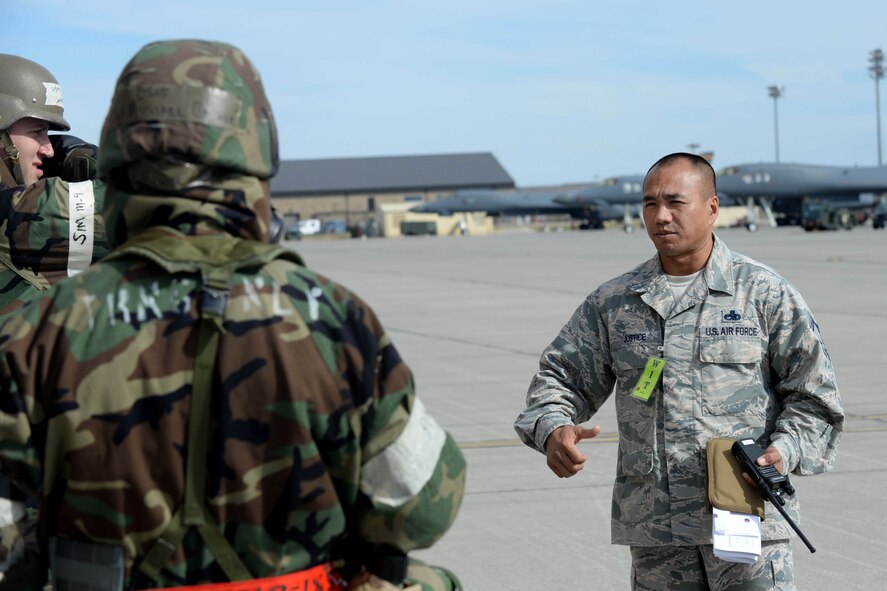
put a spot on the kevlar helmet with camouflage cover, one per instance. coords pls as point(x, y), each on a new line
point(27, 89)
point(193, 102)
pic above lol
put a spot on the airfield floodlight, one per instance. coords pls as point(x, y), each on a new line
point(693, 147)
point(775, 92)
point(876, 70)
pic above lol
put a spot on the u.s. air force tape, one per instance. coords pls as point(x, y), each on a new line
point(406, 465)
point(81, 233)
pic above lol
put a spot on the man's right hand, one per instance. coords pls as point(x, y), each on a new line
point(563, 456)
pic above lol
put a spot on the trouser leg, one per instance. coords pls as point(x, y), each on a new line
point(774, 570)
point(695, 568)
point(667, 568)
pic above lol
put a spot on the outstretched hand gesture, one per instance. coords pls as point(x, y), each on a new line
point(564, 458)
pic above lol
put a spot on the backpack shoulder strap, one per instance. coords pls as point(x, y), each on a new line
point(194, 256)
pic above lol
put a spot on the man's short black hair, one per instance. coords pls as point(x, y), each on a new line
point(698, 162)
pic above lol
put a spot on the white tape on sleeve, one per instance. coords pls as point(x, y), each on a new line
point(404, 467)
point(11, 512)
point(81, 212)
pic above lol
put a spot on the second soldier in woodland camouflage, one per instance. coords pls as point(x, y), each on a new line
point(200, 386)
point(50, 228)
point(743, 358)
point(50, 209)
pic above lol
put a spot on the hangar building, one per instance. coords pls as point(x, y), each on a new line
point(353, 189)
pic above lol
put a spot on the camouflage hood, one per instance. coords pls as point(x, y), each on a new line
point(189, 143)
point(238, 205)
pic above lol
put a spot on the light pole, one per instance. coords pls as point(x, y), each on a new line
point(775, 92)
point(876, 59)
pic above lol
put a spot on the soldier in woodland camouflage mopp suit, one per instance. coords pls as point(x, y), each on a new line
point(199, 407)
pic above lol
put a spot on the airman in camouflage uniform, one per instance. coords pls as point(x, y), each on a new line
point(50, 210)
point(296, 444)
point(743, 358)
point(51, 228)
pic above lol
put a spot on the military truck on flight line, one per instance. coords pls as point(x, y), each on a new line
point(820, 214)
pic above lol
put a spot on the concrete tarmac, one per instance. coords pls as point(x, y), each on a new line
point(470, 315)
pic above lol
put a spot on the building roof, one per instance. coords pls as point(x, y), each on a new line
point(383, 174)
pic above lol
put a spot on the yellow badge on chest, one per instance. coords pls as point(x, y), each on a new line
point(649, 379)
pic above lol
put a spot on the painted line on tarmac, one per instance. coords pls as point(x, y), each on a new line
point(604, 438)
point(437, 337)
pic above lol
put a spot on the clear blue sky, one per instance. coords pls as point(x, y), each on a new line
point(560, 91)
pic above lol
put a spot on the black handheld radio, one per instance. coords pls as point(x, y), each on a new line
point(770, 482)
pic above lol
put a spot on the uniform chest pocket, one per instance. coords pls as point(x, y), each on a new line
point(731, 373)
point(731, 350)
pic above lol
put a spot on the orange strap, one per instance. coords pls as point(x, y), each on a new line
point(319, 578)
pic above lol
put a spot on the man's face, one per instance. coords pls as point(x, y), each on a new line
point(31, 137)
point(680, 209)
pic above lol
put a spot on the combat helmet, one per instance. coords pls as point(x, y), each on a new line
point(27, 89)
point(192, 102)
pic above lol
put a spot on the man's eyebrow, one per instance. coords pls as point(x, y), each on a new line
point(668, 197)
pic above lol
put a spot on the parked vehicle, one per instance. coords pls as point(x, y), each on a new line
point(879, 216)
point(309, 227)
point(292, 232)
point(418, 228)
point(333, 227)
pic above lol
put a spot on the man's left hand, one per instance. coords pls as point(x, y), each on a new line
point(770, 456)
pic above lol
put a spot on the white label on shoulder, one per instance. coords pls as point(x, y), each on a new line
point(81, 212)
point(404, 467)
point(54, 95)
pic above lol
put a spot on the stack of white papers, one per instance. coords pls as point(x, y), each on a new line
point(737, 536)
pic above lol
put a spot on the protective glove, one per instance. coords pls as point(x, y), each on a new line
point(74, 159)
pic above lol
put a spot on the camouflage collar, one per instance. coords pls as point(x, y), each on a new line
point(718, 272)
point(208, 255)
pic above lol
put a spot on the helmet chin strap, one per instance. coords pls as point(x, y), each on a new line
point(12, 155)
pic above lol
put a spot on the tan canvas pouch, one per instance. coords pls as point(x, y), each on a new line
point(727, 489)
